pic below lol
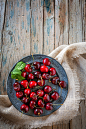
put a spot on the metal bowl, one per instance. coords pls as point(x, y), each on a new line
point(60, 72)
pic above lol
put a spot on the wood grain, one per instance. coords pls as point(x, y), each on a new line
point(16, 36)
point(61, 22)
point(48, 26)
point(36, 27)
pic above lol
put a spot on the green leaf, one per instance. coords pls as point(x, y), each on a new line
point(16, 71)
point(19, 77)
point(20, 65)
point(13, 76)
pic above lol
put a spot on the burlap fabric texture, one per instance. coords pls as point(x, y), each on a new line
point(73, 59)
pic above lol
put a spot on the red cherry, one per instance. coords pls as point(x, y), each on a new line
point(30, 76)
point(46, 76)
point(62, 84)
point(16, 86)
point(19, 94)
point(46, 98)
point(24, 74)
point(47, 89)
point(52, 71)
point(37, 65)
point(33, 96)
point(28, 68)
point(44, 68)
point(55, 80)
point(40, 92)
point(25, 100)
point(32, 104)
point(41, 82)
point(37, 74)
point(38, 111)
point(40, 103)
point(55, 95)
point(32, 84)
point(27, 91)
point(24, 83)
point(49, 106)
point(24, 108)
point(46, 62)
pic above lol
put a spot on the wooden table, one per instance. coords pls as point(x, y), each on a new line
point(39, 26)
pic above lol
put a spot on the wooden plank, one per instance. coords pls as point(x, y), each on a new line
point(16, 36)
point(72, 22)
point(48, 26)
point(61, 22)
point(79, 20)
point(55, 126)
point(75, 35)
point(36, 27)
point(2, 13)
point(83, 115)
point(85, 20)
point(83, 7)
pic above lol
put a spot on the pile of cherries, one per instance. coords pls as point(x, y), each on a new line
point(33, 92)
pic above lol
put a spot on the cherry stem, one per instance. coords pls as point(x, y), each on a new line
point(41, 98)
point(22, 70)
point(37, 86)
point(27, 62)
point(18, 99)
point(49, 80)
point(21, 113)
point(51, 59)
point(56, 104)
point(38, 113)
point(26, 95)
point(61, 91)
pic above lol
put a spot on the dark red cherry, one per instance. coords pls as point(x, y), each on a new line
point(32, 104)
point(46, 98)
point(24, 83)
point(46, 76)
point(16, 86)
point(37, 74)
point(41, 103)
point(62, 84)
point(55, 80)
point(44, 68)
point(52, 71)
point(46, 62)
point(25, 99)
point(28, 68)
point(33, 96)
point(30, 76)
point(32, 84)
point(40, 92)
point(47, 89)
point(24, 74)
point(49, 106)
point(19, 94)
point(41, 82)
point(55, 95)
point(37, 65)
point(38, 111)
point(24, 108)
point(27, 92)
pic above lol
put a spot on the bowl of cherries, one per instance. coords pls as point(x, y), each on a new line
point(37, 85)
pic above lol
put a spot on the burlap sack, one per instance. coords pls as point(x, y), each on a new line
point(73, 59)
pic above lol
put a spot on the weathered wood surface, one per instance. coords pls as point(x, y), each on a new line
point(39, 26)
